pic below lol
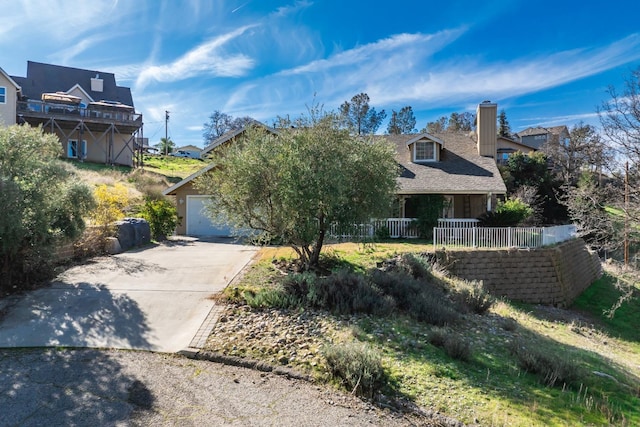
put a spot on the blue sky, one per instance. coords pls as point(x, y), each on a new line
point(544, 62)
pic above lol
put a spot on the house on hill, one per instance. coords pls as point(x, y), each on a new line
point(460, 167)
point(537, 137)
point(93, 117)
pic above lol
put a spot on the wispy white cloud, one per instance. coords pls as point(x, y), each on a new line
point(401, 70)
point(62, 20)
point(205, 59)
point(283, 11)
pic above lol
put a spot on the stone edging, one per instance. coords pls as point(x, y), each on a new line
point(244, 363)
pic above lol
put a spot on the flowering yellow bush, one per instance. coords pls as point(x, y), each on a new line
point(111, 202)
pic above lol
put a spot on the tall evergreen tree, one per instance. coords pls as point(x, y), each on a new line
point(503, 125)
point(359, 117)
point(402, 122)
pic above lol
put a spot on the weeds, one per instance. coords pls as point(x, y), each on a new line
point(358, 367)
point(550, 368)
point(472, 297)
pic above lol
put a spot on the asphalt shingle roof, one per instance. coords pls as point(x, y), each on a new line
point(461, 170)
point(47, 78)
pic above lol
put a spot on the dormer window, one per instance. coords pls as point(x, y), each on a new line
point(424, 151)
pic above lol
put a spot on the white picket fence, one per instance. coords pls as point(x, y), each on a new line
point(397, 228)
point(502, 237)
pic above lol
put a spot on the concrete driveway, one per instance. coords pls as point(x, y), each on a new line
point(155, 298)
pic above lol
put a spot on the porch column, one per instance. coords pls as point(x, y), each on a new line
point(402, 202)
point(489, 197)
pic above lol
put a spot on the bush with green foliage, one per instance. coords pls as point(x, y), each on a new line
point(508, 213)
point(358, 367)
point(42, 205)
point(162, 217)
point(472, 297)
point(429, 208)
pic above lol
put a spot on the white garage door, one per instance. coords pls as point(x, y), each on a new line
point(198, 223)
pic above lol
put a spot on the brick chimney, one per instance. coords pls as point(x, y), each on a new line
point(487, 116)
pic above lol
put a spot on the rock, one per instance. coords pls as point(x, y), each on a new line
point(112, 246)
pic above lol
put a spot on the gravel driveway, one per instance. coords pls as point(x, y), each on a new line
point(122, 388)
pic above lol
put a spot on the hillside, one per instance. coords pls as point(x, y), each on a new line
point(513, 365)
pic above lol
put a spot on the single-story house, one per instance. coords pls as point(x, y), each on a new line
point(93, 117)
point(190, 202)
point(459, 166)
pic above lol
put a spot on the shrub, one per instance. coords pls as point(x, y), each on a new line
point(550, 368)
point(437, 337)
point(43, 205)
point(111, 203)
point(162, 217)
point(472, 297)
point(457, 348)
point(509, 213)
point(417, 298)
point(345, 292)
point(357, 366)
point(416, 265)
point(400, 286)
point(383, 233)
point(433, 308)
point(429, 209)
point(270, 298)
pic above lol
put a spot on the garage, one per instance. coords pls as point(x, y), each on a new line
point(197, 221)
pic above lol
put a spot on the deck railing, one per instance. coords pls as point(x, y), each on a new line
point(502, 237)
point(40, 108)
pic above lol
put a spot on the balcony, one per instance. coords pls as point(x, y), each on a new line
point(68, 116)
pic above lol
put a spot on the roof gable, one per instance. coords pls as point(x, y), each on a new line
point(171, 191)
point(461, 170)
point(233, 134)
point(426, 136)
point(11, 80)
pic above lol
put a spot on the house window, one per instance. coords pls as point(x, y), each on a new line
point(3, 95)
point(424, 151)
point(75, 150)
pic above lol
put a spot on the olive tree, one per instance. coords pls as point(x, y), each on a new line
point(41, 203)
point(294, 185)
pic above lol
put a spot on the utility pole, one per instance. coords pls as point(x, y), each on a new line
point(626, 214)
point(166, 133)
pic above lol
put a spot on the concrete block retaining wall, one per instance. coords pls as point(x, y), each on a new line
point(554, 275)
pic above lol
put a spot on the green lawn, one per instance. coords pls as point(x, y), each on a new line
point(174, 168)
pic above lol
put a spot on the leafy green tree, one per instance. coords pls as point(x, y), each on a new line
point(358, 117)
point(437, 126)
point(402, 122)
point(293, 186)
point(461, 122)
point(166, 145)
point(42, 204)
point(532, 170)
point(504, 129)
point(456, 122)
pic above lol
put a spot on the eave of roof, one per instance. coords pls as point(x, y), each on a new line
point(8, 77)
point(171, 191)
point(232, 134)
